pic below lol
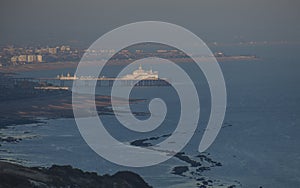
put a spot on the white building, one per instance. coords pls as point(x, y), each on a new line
point(14, 59)
point(22, 58)
point(39, 58)
point(141, 74)
point(31, 58)
point(52, 50)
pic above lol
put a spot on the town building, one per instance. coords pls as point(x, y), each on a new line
point(52, 50)
point(22, 58)
point(31, 58)
point(39, 58)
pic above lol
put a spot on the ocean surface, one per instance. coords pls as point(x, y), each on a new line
point(257, 146)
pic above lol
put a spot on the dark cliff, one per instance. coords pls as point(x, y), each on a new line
point(17, 176)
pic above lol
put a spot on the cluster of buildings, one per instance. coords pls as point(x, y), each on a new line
point(53, 50)
point(10, 55)
point(36, 55)
point(135, 53)
point(26, 59)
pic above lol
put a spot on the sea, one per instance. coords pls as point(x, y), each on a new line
point(258, 145)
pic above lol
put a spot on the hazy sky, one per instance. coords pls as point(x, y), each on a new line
point(51, 21)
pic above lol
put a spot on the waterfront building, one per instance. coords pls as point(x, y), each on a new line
point(39, 58)
point(52, 50)
point(14, 59)
point(31, 58)
point(141, 74)
point(22, 58)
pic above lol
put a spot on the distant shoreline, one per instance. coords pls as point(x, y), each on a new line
point(72, 64)
point(38, 66)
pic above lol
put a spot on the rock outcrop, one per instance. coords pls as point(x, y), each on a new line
point(17, 176)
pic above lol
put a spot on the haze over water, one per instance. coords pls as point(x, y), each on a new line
point(259, 148)
point(258, 144)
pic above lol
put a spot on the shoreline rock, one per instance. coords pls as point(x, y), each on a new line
point(15, 176)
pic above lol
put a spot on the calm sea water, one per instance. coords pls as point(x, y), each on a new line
point(261, 148)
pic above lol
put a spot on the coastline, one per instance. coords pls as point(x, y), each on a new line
point(58, 104)
point(72, 64)
point(38, 107)
point(52, 105)
point(38, 66)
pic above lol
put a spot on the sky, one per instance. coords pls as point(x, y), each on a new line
point(83, 21)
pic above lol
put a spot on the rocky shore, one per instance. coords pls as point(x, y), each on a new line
point(58, 104)
point(194, 166)
point(17, 176)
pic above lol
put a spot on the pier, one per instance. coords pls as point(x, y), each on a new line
point(101, 82)
point(139, 78)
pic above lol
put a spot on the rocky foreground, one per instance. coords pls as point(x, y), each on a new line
point(17, 176)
